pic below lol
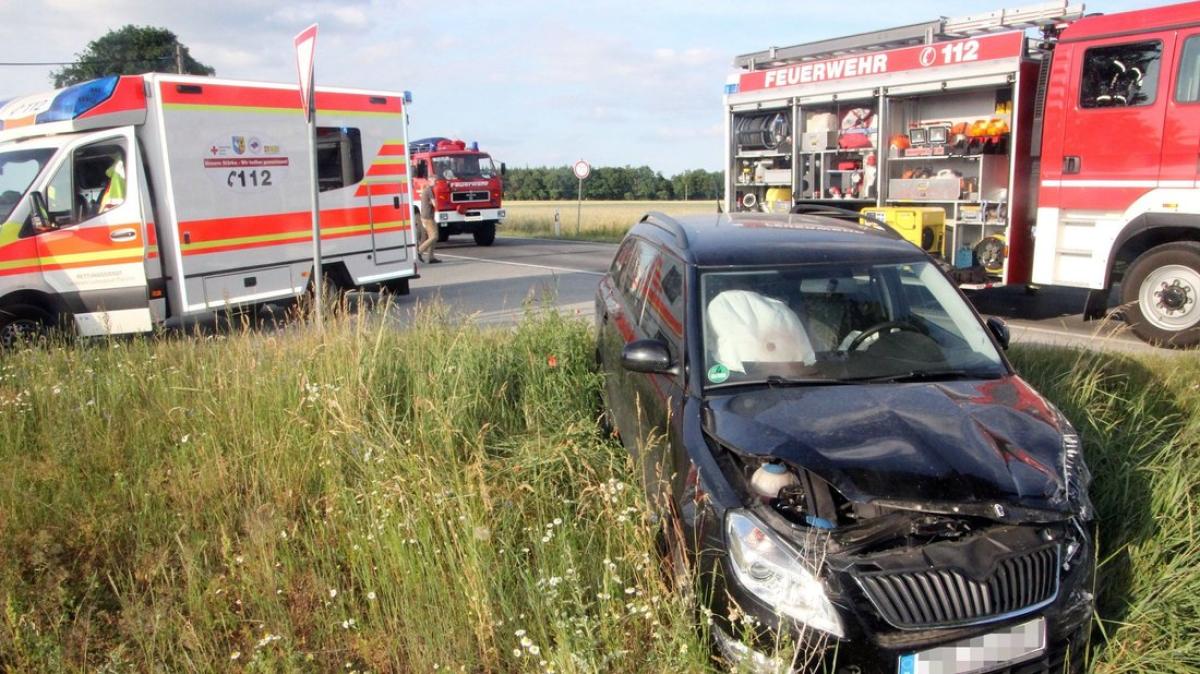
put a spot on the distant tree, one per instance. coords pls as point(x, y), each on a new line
point(129, 51)
point(611, 183)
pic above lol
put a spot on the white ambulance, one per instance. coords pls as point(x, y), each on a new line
point(129, 201)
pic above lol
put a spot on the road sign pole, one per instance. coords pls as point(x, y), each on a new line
point(318, 276)
point(306, 47)
point(582, 170)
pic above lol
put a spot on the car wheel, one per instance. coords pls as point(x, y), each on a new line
point(23, 324)
point(486, 234)
point(1162, 291)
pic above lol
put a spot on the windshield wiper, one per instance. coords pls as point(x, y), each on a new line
point(777, 381)
point(925, 375)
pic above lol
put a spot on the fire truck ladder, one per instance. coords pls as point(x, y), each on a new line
point(929, 32)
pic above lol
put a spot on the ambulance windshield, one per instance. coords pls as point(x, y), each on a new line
point(18, 168)
point(464, 166)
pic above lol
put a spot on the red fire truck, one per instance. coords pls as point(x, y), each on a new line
point(1028, 146)
point(467, 187)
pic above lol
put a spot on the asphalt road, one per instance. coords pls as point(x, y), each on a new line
point(494, 284)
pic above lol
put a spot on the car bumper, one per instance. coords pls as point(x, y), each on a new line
point(869, 644)
point(470, 216)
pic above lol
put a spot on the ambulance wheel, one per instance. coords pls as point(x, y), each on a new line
point(443, 235)
point(486, 234)
point(23, 324)
point(1162, 290)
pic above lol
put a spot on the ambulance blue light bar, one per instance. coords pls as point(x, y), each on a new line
point(72, 102)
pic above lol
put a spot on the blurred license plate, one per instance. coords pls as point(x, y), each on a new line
point(472, 217)
point(981, 653)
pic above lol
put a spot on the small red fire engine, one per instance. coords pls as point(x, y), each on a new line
point(467, 187)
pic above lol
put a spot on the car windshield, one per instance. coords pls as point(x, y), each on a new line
point(18, 168)
point(814, 324)
point(464, 166)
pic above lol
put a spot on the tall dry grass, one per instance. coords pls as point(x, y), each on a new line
point(371, 501)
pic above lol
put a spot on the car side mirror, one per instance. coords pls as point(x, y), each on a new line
point(39, 215)
point(999, 330)
point(503, 169)
point(421, 170)
point(647, 355)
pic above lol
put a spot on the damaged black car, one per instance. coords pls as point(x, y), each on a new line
point(842, 452)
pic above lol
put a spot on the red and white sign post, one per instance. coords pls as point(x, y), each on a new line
point(306, 50)
point(582, 170)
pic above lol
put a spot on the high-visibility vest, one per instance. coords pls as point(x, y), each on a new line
point(114, 194)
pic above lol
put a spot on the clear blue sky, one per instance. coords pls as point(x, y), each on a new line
point(534, 82)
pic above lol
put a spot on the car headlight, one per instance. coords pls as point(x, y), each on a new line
point(1076, 475)
point(775, 573)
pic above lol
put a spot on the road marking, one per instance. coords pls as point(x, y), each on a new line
point(525, 264)
point(1090, 341)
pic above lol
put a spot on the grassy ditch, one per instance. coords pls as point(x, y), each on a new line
point(439, 499)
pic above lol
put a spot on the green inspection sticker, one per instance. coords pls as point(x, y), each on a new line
point(718, 373)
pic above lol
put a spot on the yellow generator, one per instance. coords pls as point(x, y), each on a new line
point(925, 227)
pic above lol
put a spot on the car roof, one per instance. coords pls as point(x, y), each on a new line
point(752, 239)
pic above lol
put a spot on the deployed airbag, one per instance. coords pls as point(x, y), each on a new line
point(749, 327)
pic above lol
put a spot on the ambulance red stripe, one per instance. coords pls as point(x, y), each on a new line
point(217, 229)
point(229, 95)
point(387, 170)
point(300, 237)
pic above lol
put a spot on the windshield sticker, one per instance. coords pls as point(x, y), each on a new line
point(718, 373)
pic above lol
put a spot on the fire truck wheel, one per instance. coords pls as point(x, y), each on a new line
point(443, 235)
point(486, 234)
point(23, 324)
point(1162, 291)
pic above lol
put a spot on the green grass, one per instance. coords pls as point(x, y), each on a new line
point(439, 499)
point(1140, 423)
point(597, 220)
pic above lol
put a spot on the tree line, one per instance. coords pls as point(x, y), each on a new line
point(611, 183)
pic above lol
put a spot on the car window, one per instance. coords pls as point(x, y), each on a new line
point(1187, 80)
point(620, 265)
point(661, 313)
point(1123, 75)
point(90, 184)
point(839, 322)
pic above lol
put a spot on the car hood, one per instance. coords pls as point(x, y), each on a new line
point(971, 442)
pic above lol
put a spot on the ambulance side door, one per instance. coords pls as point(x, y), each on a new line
point(93, 253)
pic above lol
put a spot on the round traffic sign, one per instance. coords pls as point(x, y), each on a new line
point(581, 169)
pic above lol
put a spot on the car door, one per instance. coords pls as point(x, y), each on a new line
point(615, 330)
point(1113, 139)
point(93, 256)
point(660, 293)
point(1181, 142)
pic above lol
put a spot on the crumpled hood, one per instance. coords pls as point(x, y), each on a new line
point(988, 441)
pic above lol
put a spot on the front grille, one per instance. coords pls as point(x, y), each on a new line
point(461, 197)
point(945, 597)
